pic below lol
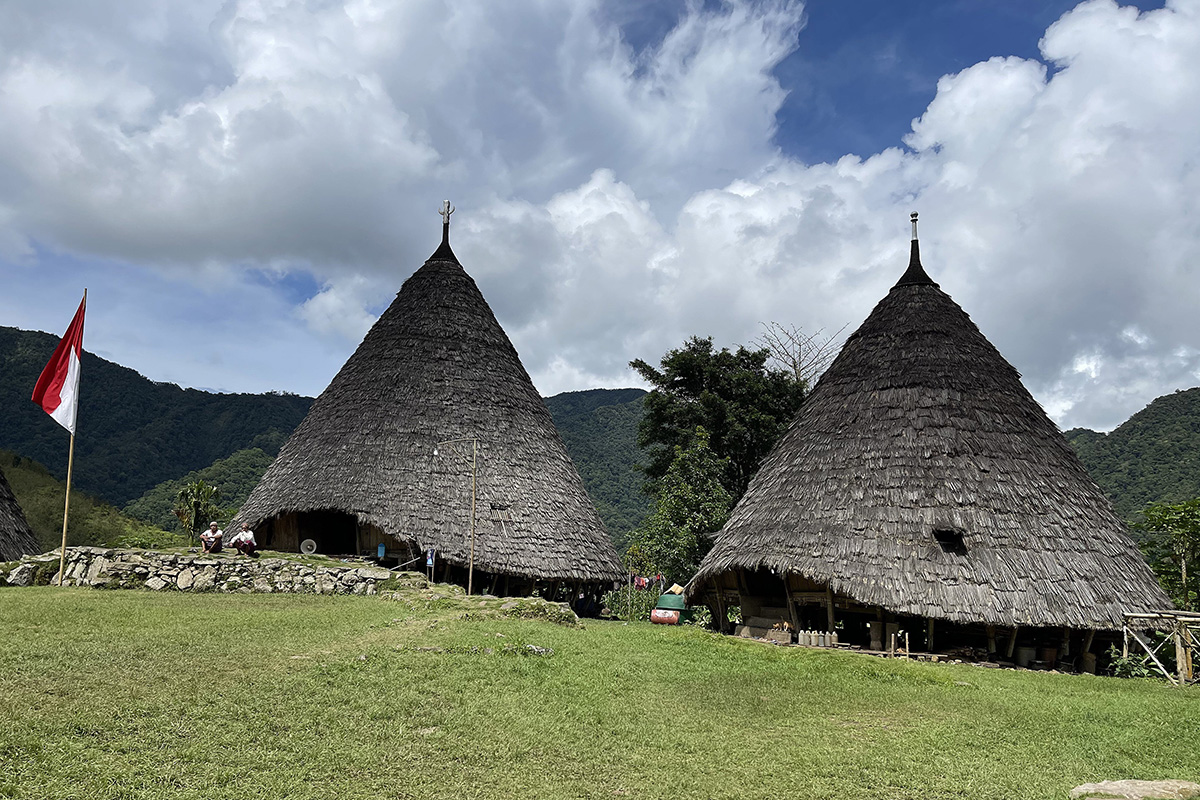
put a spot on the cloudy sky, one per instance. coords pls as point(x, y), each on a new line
point(242, 185)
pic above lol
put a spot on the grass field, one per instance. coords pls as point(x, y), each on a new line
point(127, 694)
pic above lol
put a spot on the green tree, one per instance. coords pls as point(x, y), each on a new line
point(195, 504)
point(1172, 544)
point(692, 505)
point(744, 405)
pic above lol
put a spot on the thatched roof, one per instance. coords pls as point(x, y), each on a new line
point(16, 537)
point(437, 366)
point(920, 426)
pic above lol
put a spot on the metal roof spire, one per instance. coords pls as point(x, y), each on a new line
point(915, 274)
point(444, 253)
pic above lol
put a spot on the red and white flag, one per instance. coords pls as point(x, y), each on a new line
point(57, 389)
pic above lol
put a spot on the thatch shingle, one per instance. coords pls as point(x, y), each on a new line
point(437, 366)
point(16, 537)
point(921, 431)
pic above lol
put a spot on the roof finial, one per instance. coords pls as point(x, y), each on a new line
point(446, 210)
point(915, 273)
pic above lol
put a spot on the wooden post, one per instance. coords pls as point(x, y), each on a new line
point(474, 474)
point(1012, 643)
point(62, 557)
point(829, 619)
point(506, 584)
point(991, 634)
point(1087, 641)
point(722, 620)
point(929, 635)
point(793, 612)
point(1064, 649)
point(1181, 665)
point(1125, 647)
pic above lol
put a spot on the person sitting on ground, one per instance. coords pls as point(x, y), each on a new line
point(243, 540)
point(210, 540)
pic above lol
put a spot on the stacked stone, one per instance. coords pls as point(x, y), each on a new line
point(135, 569)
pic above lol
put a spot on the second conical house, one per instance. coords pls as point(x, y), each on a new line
point(921, 482)
point(433, 437)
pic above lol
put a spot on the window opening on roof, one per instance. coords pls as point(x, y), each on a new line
point(951, 541)
point(502, 512)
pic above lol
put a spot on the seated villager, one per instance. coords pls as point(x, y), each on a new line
point(244, 542)
point(211, 539)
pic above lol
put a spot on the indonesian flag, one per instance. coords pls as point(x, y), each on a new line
point(57, 389)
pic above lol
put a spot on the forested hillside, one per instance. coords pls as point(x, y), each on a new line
point(133, 433)
point(1153, 456)
point(235, 477)
point(93, 522)
point(599, 428)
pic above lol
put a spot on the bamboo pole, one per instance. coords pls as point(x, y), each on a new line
point(474, 474)
point(62, 556)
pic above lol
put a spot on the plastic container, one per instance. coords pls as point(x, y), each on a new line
point(673, 602)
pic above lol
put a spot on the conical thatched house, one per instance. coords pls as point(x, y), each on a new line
point(921, 482)
point(16, 537)
point(431, 419)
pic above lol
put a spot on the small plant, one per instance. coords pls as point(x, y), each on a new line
point(734, 614)
point(701, 617)
point(1132, 666)
point(629, 604)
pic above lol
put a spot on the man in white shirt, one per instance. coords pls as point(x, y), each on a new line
point(243, 540)
point(210, 540)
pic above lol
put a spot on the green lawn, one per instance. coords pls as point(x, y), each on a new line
point(125, 694)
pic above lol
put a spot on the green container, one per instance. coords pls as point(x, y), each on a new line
point(672, 602)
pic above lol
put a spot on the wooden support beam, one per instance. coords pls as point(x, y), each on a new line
point(1181, 656)
point(1150, 652)
point(830, 622)
point(1012, 643)
point(991, 639)
point(929, 635)
point(1087, 641)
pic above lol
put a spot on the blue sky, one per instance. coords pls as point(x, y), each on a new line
point(244, 185)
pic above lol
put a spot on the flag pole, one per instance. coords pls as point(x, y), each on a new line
point(62, 556)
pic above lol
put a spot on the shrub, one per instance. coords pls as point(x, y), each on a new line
point(629, 604)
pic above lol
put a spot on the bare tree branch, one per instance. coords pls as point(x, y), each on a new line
point(805, 355)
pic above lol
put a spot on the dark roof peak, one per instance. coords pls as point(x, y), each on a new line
point(915, 275)
point(444, 253)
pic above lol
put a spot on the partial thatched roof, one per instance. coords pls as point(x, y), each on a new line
point(918, 426)
point(437, 366)
point(16, 537)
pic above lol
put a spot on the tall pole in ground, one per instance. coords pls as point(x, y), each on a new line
point(62, 556)
point(474, 472)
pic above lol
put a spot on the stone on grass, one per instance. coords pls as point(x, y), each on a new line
point(22, 575)
point(156, 583)
point(1137, 790)
point(186, 579)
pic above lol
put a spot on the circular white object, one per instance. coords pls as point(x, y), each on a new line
point(308, 547)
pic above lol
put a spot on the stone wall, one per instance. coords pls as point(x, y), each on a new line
point(195, 572)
